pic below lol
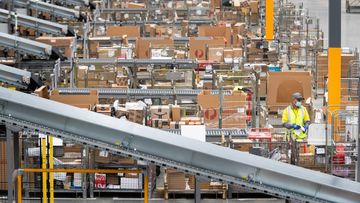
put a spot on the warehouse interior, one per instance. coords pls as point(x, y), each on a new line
point(179, 101)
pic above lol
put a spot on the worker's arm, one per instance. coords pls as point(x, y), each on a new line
point(306, 119)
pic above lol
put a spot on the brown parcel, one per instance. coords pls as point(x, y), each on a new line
point(197, 46)
point(62, 43)
point(143, 45)
point(160, 112)
point(119, 31)
point(281, 85)
point(81, 101)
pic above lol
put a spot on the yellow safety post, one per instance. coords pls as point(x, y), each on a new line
point(334, 79)
point(269, 20)
point(19, 193)
point(146, 189)
point(44, 174)
point(51, 166)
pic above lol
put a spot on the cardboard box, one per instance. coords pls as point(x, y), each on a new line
point(254, 6)
point(239, 29)
point(112, 179)
point(119, 31)
point(160, 112)
point(234, 109)
point(103, 157)
point(136, 115)
point(188, 120)
point(144, 44)
point(160, 123)
point(3, 158)
point(135, 5)
point(81, 101)
point(103, 109)
point(75, 148)
point(228, 53)
point(92, 83)
point(175, 113)
point(216, 31)
point(198, 46)
point(176, 125)
point(62, 43)
point(281, 85)
point(175, 180)
point(216, 54)
point(42, 92)
point(123, 160)
point(238, 52)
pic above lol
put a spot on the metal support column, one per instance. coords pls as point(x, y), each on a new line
point(269, 20)
point(357, 175)
point(12, 155)
point(334, 55)
point(197, 190)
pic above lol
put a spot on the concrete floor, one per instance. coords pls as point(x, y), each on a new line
point(350, 22)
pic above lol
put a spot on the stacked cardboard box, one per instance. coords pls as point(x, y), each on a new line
point(102, 157)
point(136, 115)
point(234, 110)
point(112, 179)
point(198, 46)
point(143, 45)
point(206, 185)
point(3, 166)
point(175, 180)
point(322, 67)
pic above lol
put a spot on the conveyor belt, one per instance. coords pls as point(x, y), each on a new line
point(217, 132)
point(52, 9)
point(35, 23)
point(22, 111)
point(14, 76)
point(140, 93)
point(25, 45)
point(179, 63)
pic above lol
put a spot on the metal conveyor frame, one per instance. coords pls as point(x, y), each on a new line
point(19, 110)
point(25, 45)
point(35, 23)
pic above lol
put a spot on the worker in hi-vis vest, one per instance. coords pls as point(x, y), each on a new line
point(296, 118)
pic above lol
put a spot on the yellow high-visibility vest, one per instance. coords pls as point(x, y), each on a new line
point(297, 118)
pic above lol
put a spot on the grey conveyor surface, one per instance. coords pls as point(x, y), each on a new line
point(20, 110)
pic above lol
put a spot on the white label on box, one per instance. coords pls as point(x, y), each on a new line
point(320, 150)
point(104, 153)
point(241, 110)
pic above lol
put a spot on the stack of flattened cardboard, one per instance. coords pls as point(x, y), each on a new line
point(175, 180)
point(281, 85)
point(234, 109)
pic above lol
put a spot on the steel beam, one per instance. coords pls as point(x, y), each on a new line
point(179, 63)
point(35, 23)
point(23, 45)
point(13, 76)
point(140, 93)
point(133, 22)
point(52, 9)
point(74, 2)
point(154, 145)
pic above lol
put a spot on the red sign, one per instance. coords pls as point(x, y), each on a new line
point(100, 180)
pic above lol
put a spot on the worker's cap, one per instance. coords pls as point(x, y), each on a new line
point(297, 96)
